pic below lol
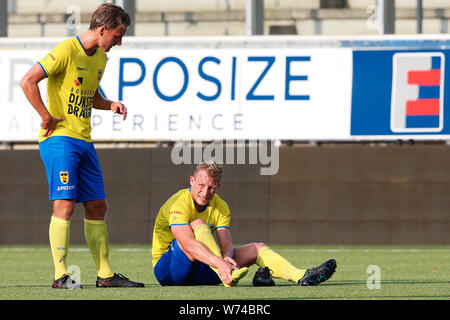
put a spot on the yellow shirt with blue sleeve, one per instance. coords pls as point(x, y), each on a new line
point(180, 210)
point(73, 78)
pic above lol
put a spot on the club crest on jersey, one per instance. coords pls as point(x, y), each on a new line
point(64, 176)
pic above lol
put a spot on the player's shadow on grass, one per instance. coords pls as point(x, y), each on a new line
point(364, 282)
point(386, 282)
point(25, 286)
point(85, 286)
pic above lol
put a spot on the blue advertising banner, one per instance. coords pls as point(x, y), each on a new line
point(400, 92)
point(275, 88)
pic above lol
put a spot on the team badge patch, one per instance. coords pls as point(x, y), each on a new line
point(64, 176)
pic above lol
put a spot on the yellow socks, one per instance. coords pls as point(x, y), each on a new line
point(203, 234)
point(59, 234)
point(280, 267)
point(96, 234)
point(237, 275)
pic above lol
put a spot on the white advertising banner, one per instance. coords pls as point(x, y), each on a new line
point(208, 94)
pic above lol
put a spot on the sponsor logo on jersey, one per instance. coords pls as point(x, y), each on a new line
point(78, 81)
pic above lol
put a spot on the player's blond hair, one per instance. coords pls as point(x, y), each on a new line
point(213, 169)
point(111, 16)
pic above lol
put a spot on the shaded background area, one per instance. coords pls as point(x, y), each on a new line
point(327, 194)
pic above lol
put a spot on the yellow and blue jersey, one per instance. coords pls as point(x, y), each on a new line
point(180, 210)
point(73, 78)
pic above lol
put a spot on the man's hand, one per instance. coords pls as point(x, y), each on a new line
point(49, 125)
point(119, 108)
point(231, 261)
point(225, 270)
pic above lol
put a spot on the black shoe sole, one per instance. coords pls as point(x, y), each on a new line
point(324, 275)
point(102, 285)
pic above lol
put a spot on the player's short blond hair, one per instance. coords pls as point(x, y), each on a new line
point(213, 169)
point(111, 16)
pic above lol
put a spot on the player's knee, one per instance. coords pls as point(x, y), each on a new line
point(100, 207)
point(196, 223)
point(96, 209)
point(63, 209)
point(259, 245)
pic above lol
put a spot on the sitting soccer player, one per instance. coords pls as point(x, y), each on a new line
point(185, 252)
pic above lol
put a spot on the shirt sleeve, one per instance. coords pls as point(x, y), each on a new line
point(56, 60)
point(178, 214)
point(224, 216)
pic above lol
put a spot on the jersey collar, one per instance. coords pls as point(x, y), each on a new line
point(78, 38)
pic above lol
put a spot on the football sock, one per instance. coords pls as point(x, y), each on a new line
point(237, 275)
point(203, 234)
point(59, 234)
point(96, 234)
point(281, 268)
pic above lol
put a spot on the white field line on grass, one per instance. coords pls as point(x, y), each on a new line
point(366, 250)
point(76, 249)
point(394, 250)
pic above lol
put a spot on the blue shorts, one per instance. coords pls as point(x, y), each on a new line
point(175, 269)
point(72, 168)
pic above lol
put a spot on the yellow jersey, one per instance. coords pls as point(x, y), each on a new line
point(180, 210)
point(72, 80)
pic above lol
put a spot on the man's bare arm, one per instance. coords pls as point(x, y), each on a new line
point(198, 251)
point(226, 245)
point(29, 84)
point(104, 104)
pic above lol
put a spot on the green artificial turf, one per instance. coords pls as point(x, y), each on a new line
point(406, 272)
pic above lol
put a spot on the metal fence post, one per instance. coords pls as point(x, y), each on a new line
point(3, 18)
point(419, 16)
point(386, 11)
point(254, 17)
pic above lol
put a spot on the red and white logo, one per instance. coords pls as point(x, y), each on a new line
point(417, 100)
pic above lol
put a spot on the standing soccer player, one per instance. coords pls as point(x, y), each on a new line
point(73, 70)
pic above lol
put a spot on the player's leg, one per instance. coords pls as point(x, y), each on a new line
point(203, 233)
point(246, 256)
point(61, 165)
point(278, 267)
point(59, 235)
point(263, 256)
point(174, 267)
point(96, 234)
point(91, 192)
